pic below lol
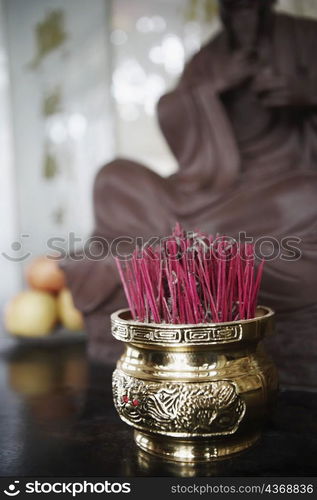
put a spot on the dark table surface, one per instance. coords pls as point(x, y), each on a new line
point(57, 419)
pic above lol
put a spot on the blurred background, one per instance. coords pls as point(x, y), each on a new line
point(79, 82)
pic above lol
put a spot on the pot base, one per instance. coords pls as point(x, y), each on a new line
point(193, 451)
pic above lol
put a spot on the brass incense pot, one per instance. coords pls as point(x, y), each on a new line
point(194, 393)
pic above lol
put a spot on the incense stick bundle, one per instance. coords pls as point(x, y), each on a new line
point(192, 278)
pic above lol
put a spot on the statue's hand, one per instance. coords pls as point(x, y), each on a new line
point(237, 71)
point(279, 91)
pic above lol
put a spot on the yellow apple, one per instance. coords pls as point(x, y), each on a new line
point(69, 316)
point(31, 314)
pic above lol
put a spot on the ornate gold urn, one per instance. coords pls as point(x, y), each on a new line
point(194, 392)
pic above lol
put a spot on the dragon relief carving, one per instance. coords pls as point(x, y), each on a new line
point(212, 408)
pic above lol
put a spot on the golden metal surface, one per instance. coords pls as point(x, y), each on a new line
point(193, 451)
point(151, 334)
point(194, 392)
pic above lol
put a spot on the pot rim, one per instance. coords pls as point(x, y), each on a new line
point(129, 330)
point(269, 313)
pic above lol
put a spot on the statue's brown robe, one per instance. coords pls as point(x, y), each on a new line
point(242, 167)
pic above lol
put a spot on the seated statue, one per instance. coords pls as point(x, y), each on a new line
point(242, 124)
